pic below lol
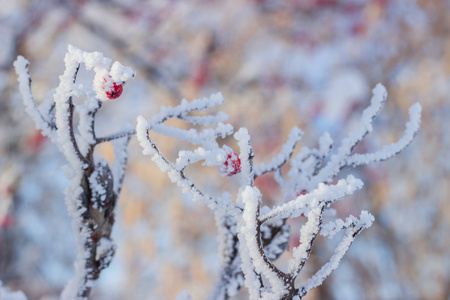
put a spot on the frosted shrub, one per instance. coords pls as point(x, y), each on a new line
point(95, 185)
point(253, 236)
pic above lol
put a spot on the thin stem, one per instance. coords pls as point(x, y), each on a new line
point(70, 119)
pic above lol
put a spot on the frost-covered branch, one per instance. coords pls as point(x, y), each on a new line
point(308, 234)
point(353, 227)
point(120, 162)
point(44, 123)
point(211, 154)
point(389, 151)
point(251, 235)
point(343, 156)
point(92, 194)
point(326, 194)
point(181, 112)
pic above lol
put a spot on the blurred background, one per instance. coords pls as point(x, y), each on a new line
point(306, 63)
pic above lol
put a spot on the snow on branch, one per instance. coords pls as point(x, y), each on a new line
point(45, 124)
point(181, 112)
point(206, 120)
point(324, 193)
point(120, 162)
point(389, 151)
point(92, 194)
point(340, 159)
point(246, 156)
point(206, 138)
point(353, 227)
point(308, 234)
point(249, 236)
point(176, 170)
point(256, 235)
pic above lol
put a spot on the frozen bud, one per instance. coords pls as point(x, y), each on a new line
point(232, 163)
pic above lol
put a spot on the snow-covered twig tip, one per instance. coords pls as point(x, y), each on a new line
point(21, 66)
point(389, 151)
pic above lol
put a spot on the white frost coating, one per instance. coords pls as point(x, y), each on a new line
point(246, 152)
point(251, 198)
point(388, 151)
point(105, 245)
point(252, 282)
point(323, 193)
point(142, 136)
point(162, 164)
point(352, 230)
point(98, 188)
point(211, 158)
point(207, 120)
point(73, 191)
point(364, 127)
point(97, 62)
point(325, 144)
point(185, 107)
point(21, 67)
point(286, 151)
point(205, 138)
point(6, 294)
point(120, 160)
point(103, 79)
point(73, 145)
point(330, 229)
point(62, 98)
point(86, 121)
point(175, 175)
point(308, 233)
point(120, 73)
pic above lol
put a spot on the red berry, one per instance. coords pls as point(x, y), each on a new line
point(115, 91)
point(232, 164)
